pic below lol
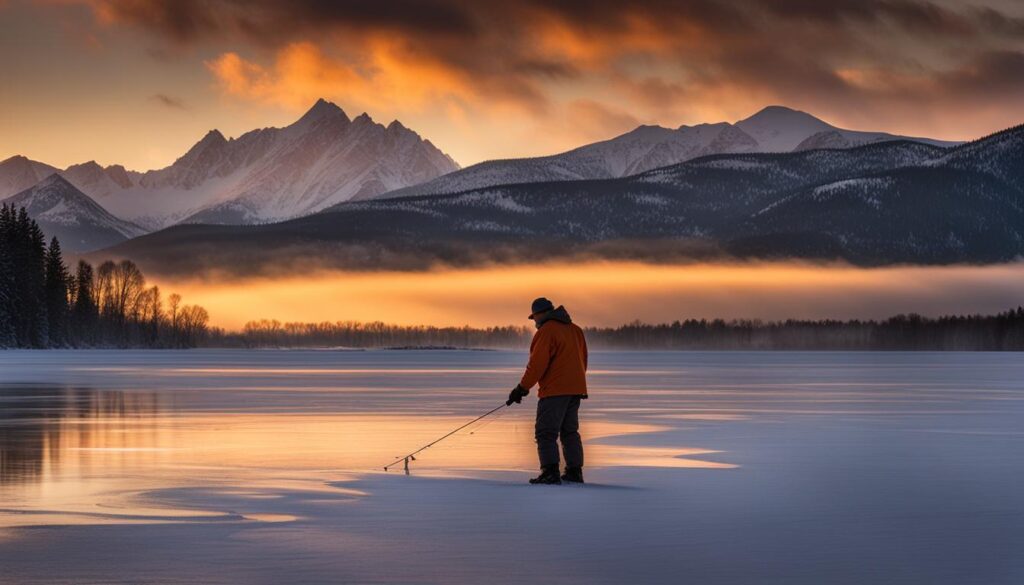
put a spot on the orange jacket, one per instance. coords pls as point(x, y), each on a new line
point(558, 360)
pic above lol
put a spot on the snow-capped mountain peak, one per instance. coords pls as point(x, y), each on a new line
point(781, 129)
point(396, 126)
point(269, 174)
point(279, 173)
point(321, 111)
point(18, 173)
point(119, 175)
point(213, 140)
point(363, 120)
point(64, 211)
point(772, 129)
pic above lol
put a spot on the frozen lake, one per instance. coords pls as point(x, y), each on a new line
point(710, 468)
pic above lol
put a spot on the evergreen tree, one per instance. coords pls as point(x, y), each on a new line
point(27, 249)
point(84, 312)
point(37, 319)
point(56, 295)
point(7, 336)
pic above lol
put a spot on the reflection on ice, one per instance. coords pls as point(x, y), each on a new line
point(40, 426)
point(660, 457)
point(64, 452)
point(704, 416)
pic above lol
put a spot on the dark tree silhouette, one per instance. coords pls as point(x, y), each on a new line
point(57, 281)
point(7, 278)
point(84, 310)
point(26, 251)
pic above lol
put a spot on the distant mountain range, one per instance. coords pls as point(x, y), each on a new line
point(264, 175)
point(324, 158)
point(773, 129)
point(76, 220)
point(780, 183)
point(893, 201)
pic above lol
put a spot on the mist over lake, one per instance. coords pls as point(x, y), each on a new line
point(612, 293)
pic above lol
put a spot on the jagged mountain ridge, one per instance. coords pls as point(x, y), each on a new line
point(882, 203)
point(773, 129)
point(264, 175)
point(18, 173)
point(62, 210)
point(324, 158)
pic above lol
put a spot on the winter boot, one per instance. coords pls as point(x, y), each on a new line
point(548, 475)
point(573, 475)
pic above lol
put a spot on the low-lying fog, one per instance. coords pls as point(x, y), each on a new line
point(610, 293)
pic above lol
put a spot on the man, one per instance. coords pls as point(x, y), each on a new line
point(558, 362)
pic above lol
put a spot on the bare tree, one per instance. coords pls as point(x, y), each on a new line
point(105, 288)
point(194, 321)
point(129, 284)
point(173, 314)
point(150, 313)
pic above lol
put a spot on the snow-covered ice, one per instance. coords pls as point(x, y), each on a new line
point(264, 467)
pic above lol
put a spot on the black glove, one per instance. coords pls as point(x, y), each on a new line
point(516, 395)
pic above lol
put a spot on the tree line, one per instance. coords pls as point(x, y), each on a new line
point(272, 333)
point(44, 305)
point(1001, 332)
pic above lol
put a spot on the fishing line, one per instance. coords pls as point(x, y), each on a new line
point(487, 422)
point(411, 456)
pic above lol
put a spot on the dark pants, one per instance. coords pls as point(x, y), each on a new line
point(559, 417)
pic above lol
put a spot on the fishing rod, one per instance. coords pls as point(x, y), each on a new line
point(411, 456)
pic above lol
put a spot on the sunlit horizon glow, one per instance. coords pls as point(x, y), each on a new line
point(610, 293)
point(137, 82)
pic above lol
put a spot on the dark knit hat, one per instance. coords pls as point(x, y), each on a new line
point(541, 305)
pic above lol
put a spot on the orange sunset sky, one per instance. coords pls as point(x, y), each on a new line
point(137, 82)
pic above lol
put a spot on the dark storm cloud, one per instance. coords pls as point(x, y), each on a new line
point(999, 23)
point(991, 71)
point(268, 20)
point(179, 20)
point(455, 28)
point(921, 17)
point(834, 53)
point(609, 15)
